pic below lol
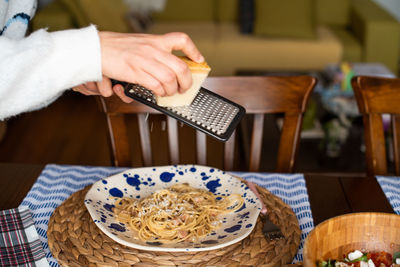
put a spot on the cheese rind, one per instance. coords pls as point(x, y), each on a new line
point(194, 66)
point(199, 74)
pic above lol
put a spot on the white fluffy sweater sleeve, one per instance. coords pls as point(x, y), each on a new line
point(37, 69)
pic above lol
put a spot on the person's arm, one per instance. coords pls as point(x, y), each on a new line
point(145, 59)
point(37, 69)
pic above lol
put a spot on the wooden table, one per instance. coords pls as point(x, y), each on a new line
point(330, 194)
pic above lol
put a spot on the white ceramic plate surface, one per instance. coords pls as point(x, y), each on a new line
point(141, 182)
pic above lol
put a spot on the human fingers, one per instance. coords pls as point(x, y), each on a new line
point(105, 87)
point(180, 68)
point(131, 57)
point(146, 80)
point(91, 86)
point(163, 74)
point(84, 89)
point(79, 88)
point(119, 91)
point(181, 41)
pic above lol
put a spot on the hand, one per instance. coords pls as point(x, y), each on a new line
point(147, 60)
point(103, 88)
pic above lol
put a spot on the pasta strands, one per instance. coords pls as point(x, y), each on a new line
point(175, 214)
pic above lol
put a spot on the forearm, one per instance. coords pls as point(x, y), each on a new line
point(36, 70)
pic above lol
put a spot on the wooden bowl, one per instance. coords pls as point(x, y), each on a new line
point(340, 235)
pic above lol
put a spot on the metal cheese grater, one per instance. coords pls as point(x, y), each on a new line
point(209, 112)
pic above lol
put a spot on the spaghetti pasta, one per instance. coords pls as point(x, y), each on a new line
point(175, 214)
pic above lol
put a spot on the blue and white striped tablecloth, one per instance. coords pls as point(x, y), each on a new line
point(391, 187)
point(57, 182)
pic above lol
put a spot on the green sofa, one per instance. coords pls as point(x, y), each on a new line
point(286, 37)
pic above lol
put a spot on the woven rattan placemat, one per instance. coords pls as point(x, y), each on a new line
point(75, 240)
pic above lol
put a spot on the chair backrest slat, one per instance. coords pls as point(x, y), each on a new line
point(256, 142)
point(290, 136)
point(173, 143)
point(145, 139)
point(258, 95)
point(201, 148)
point(229, 152)
point(377, 96)
point(119, 139)
point(396, 140)
point(375, 144)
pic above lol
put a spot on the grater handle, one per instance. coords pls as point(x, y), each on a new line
point(115, 82)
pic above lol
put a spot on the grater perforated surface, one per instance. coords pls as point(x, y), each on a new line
point(209, 112)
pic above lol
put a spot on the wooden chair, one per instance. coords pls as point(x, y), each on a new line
point(376, 96)
point(259, 95)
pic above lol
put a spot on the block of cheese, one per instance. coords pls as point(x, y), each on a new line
point(199, 74)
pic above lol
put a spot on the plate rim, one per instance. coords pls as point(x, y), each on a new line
point(169, 249)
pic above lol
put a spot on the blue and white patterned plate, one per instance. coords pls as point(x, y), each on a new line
point(141, 182)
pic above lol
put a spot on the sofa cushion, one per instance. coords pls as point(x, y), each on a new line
point(378, 31)
point(352, 49)
point(333, 12)
point(227, 50)
point(285, 18)
point(77, 13)
point(251, 53)
point(107, 15)
point(54, 17)
point(187, 10)
point(227, 10)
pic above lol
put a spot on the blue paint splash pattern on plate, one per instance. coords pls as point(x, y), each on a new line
point(141, 182)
